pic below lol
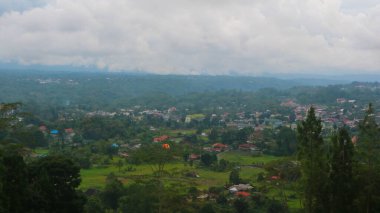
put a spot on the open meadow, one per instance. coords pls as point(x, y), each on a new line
point(95, 177)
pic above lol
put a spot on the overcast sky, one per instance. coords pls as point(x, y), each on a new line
point(246, 37)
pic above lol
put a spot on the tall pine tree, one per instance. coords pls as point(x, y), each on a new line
point(341, 175)
point(369, 170)
point(312, 155)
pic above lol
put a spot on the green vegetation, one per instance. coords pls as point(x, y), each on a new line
point(95, 177)
point(245, 158)
point(132, 149)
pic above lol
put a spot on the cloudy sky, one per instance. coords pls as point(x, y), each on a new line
point(246, 37)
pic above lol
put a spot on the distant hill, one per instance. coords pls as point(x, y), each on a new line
point(136, 84)
point(48, 92)
point(65, 87)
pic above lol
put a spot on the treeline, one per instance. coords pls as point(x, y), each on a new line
point(107, 90)
point(30, 184)
point(41, 185)
point(47, 94)
point(340, 175)
point(49, 106)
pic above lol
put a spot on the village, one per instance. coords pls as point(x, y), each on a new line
point(343, 113)
point(206, 135)
point(237, 147)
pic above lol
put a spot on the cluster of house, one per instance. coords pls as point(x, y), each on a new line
point(169, 114)
point(344, 113)
point(329, 115)
point(55, 135)
point(125, 148)
point(217, 147)
point(240, 190)
point(138, 114)
point(261, 120)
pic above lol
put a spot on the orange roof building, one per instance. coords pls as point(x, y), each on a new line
point(166, 146)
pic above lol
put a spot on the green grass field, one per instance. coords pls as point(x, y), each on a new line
point(41, 151)
point(245, 158)
point(174, 133)
point(95, 177)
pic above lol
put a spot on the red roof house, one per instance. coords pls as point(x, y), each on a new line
point(219, 147)
point(160, 138)
point(242, 194)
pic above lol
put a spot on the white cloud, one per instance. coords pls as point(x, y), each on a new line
point(197, 36)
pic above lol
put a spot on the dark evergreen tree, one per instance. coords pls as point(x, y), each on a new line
point(286, 141)
point(13, 182)
point(142, 198)
point(112, 192)
point(368, 156)
point(2, 194)
point(241, 205)
point(208, 159)
point(213, 136)
point(341, 176)
point(311, 153)
point(235, 176)
point(53, 181)
point(207, 208)
point(93, 205)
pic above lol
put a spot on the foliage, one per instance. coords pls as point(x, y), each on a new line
point(342, 183)
point(155, 155)
point(335, 177)
point(14, 182)
point(54, 180)
point(213, 136)
point(8, 115)
point(286, 141)
point(368, 156)
point(235, 176)
point(93, 205)
point(45, 185)
point(207, 208)
point(208, 159)
point(311, 153)
point(112, 192)
point(241, 205)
